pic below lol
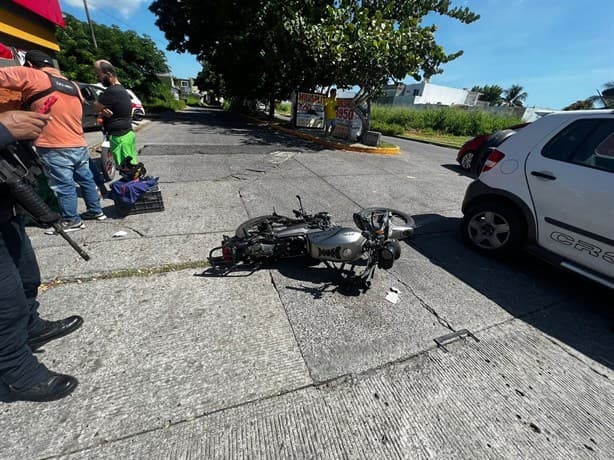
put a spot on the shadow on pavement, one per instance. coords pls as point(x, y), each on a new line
point(230, 124)
point(326, 280)
point(458, 170)
point(567, 307)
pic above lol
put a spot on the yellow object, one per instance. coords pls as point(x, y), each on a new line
point(16, 26)
point(330, 108)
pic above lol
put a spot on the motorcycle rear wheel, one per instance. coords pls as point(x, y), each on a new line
point(257, 225)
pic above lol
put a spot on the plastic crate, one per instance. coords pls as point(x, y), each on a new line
point(150, 201)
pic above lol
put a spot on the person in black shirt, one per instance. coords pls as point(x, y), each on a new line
point(115, 107)
point(22, 376)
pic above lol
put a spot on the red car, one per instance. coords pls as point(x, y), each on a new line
point(476, 148)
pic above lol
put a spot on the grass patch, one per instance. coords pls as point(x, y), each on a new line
point(387, 145)
point(456, 121)
point(449, 140)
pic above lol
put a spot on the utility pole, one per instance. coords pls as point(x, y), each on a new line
point(89, 21)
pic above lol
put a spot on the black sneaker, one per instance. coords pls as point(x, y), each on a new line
point(68, 226)
point(91, 215)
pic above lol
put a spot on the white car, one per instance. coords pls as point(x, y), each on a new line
point(550, 189)
point(138, 112)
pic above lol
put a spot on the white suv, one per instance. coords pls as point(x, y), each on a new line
point(550, 188)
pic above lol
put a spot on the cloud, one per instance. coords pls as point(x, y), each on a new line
point(124, 7)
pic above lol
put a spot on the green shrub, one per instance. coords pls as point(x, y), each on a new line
point(192, 100)
point(284, 107)
point(449, 120)
point(389, 129)
point(161, 105)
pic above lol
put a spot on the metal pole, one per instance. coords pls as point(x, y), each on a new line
point(89, 21)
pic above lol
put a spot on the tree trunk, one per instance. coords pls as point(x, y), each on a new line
point(271, 107)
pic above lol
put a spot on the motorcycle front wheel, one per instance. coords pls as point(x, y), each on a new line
point(397, 217)
point(264, 225)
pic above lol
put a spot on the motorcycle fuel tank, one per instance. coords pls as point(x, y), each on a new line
point(337, 244)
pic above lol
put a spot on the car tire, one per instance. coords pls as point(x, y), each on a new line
point(493, 228)
point(467, 160)
point(107, 164)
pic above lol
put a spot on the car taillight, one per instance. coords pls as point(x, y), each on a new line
point(495, 157)
point(134, 106)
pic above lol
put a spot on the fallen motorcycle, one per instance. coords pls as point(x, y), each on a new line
point(314, 238)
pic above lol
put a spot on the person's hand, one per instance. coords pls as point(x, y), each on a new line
point(23, 125)
point(106, 112)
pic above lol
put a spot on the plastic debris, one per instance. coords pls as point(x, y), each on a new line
point(393, 295)
point(120, 234)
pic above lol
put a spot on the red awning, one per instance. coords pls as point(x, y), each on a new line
point(48, 9)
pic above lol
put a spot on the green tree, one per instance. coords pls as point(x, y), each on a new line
point(603, 100)
point(514, 96)
point(490, 93)
point(580, 105)
point(137, 58)
point(266, 48)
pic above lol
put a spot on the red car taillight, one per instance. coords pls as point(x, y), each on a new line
point(495, 157)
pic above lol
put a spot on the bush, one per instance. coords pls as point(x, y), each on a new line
point(389, 129)
point(163, 101)
point(192, 100)
point(284, 107)
point(449, 120)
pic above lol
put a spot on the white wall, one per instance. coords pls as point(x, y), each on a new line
point(435, 94)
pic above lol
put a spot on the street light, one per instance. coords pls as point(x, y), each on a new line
point(89, 20)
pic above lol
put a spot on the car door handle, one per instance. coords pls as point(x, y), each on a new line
point(543, 175)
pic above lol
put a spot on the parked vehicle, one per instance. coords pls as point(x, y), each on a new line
point(138, 111)
point(90, 95)
point(549, 188)
point(473, 153)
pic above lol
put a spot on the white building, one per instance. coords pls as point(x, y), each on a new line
point(424, 92)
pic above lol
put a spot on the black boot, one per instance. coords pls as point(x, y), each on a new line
point(54, 387)
point(54, 330)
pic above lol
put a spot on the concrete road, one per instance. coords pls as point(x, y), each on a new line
point(279, 364)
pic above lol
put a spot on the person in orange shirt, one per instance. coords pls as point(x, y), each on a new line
point(61, 144)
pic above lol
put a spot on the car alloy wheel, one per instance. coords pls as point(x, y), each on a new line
point(494, 228)
point(466, 161)
point(489, 230)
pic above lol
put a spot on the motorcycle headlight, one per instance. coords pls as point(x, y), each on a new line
point(388, 254)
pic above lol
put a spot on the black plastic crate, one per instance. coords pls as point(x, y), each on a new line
point(150, 201)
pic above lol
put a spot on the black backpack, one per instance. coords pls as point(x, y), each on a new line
point(57, 84)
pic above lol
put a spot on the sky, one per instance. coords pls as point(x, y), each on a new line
point(559, 51)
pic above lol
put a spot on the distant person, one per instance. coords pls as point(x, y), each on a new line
point(61, 145)
point(115, 107)
point(22, 376)
point(330, 112)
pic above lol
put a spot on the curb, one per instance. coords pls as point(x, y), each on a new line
point(336, 145)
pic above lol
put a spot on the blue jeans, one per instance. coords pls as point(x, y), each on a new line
point(64, 167)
